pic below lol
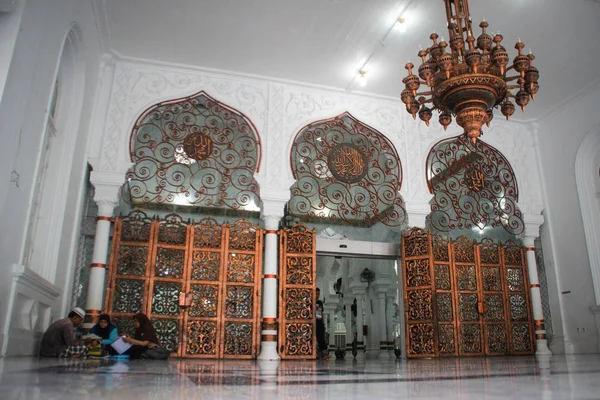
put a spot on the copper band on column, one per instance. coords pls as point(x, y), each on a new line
point(90, 316)
point(97, 265)
point(269, 326)
point(540, 336)
point(269, 319)
point(539, 325)
point(102, 218)
point(273, 276)
point(268, 338)
point(529, 248)
point(534, 285)
point(270, 232)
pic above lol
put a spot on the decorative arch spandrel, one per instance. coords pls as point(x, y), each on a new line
point(194, 151)
point(474, 187)
point(346, 171)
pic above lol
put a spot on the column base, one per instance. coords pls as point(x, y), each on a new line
point(268, 351)
point(541, 348)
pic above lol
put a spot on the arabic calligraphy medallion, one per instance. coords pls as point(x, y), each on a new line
point(198, 146)
point(347, 163)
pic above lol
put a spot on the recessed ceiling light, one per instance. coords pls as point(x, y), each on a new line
point(362, 79)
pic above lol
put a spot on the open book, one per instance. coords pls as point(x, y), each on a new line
point(92, 336)
point(120, 345)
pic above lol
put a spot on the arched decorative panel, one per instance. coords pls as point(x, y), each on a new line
point(473, 185)
point(194, 151)
point(346, 171)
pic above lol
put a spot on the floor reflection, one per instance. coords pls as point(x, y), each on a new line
point(451, 378)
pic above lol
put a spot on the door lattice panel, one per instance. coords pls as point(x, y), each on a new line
point(157, 263)
point(297, 294)
point(464, 298)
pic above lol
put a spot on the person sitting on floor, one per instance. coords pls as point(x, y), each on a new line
point(106, 330)
point(144, 337)
point(58, 340)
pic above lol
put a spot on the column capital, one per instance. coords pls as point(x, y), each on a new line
point(358, 288)
point(417, 213)
point(107, 186)
point(532, 228)
point(273, 203)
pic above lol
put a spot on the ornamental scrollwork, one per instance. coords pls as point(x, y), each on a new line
point(299, 270)
point(299, 339)
point(136, 227)
point(416, 243)
point(208, 233)
point(421, 338)
point(201, 338)
point(172, 230)
point(194, 151)
point(474, 187)
point(299, 239)
point(418, 272)
point(242, 236)
point(298, 304)
point(346, 171)
point(513, 253)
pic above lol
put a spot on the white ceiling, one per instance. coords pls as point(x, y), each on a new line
point(326, 42)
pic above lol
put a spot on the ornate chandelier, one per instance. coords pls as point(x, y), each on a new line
point(471, 80)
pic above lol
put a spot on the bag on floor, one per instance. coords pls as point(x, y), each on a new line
point(156, 353)
point(96, 351)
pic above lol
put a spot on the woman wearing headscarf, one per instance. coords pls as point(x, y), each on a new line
point(144, 337)
point(106, 330)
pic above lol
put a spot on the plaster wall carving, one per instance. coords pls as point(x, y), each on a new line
point(280, 110)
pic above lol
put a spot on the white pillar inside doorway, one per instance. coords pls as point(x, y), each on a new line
point(106, 196)
point(329, 308)
point(359, 290)
point(390, 308)
point(348, 300)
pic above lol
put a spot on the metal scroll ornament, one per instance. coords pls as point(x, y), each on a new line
point(194, 151)
point(346, 171)
point(473, 185)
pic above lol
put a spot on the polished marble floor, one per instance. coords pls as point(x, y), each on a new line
point(558, 377)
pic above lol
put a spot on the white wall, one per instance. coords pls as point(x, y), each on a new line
point(563, 238)
point(279, 110)
point(40, 36)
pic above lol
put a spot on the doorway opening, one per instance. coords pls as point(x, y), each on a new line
point(359, 285)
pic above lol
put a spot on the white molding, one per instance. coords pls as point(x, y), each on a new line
point(26, 277)
point(590, 205)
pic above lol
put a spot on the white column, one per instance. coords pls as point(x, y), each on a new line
point(541, 347)
point(268, 343)
point(389, 308)
point(329, 307)
point(348, 300)
point(381, 292)
point(359, 290)
point(106, 197)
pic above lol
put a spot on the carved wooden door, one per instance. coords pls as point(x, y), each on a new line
point(473, 301)
point(167, 271)
point(155, 263)
point(297, 294)
point(203, 319)
point(468, 276)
